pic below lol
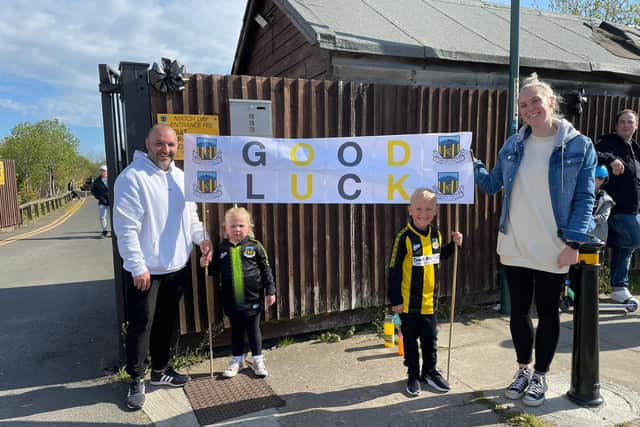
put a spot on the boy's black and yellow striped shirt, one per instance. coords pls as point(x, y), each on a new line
point(413, 268)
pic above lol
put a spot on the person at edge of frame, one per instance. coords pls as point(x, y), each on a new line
point(621, 154)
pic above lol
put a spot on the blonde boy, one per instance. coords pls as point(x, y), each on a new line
point(413, 288)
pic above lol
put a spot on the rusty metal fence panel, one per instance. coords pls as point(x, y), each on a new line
point(9, 210)
point(332, 258)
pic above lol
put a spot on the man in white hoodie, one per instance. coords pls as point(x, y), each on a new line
point(156, 229)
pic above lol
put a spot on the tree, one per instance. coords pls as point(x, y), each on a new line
point(625, 12)
point(46, 153)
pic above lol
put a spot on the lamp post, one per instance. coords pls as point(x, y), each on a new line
point(512, 115)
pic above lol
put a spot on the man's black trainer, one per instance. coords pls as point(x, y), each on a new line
point(413, 386)
point(435, 379)
point(169, 378)
point(135, 395)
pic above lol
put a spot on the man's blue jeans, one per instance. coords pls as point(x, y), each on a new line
point(624, 238)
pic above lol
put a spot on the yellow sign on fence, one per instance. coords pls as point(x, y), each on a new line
point(1, 172)
point(190, 123)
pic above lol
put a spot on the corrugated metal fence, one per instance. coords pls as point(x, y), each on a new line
point(9, 211)
point(332, 258)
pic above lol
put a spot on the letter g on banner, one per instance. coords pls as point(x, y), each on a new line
point(260, 155)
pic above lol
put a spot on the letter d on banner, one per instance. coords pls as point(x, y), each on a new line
point(391, 144)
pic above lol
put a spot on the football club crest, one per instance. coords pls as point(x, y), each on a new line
point(249, 252)
point(435, 244)
point(208, 183)
point(206, 150)
point(448, 150)
point(448, 187)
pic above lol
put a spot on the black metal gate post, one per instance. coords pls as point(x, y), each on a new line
point(126, 115)
point(137, 104)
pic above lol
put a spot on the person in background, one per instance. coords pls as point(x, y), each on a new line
point(621, 154)
point(546, 174)
point(156, 229)
point(100, 190)
point(72, 189)
point(413, 289)
point(603, 205)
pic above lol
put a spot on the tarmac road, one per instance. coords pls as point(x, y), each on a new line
point(58, 336)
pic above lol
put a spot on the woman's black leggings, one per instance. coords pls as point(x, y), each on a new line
point(525, 284)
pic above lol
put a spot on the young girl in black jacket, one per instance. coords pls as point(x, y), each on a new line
point(240, 268)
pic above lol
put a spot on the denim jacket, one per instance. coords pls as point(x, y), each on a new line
point(572, 167)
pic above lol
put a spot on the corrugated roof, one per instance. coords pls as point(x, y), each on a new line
point(455, 30)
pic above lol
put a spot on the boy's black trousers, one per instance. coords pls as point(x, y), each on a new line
point(423, 327)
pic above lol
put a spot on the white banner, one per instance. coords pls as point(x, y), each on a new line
point(367, 169)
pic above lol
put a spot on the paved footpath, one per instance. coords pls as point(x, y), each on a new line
point(359, 382)
point(58, 341)
point(58, 337)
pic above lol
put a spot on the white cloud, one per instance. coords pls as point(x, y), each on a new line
point(82, 109)
point(62, 43)
point(10, 104)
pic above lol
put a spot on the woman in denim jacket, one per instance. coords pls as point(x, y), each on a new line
point(542, 224)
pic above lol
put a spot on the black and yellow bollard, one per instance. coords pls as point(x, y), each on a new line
point(585, 359)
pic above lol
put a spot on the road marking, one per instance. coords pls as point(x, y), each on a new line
point(68, 214)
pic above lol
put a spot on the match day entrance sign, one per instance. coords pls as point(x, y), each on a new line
point(189, 123)
point(354, 170)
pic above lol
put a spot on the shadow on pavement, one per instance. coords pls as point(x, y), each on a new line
point(57, 333)
point(362, 348)
point(459, 409)
point(617, 331)
point(376, 357)
point(57, 398)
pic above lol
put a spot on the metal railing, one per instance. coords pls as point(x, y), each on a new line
point(37, 208)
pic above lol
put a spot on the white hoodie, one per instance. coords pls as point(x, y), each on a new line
point(154, 224)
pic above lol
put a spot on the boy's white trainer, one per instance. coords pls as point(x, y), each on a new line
point(235, 364)
point(258, 366)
